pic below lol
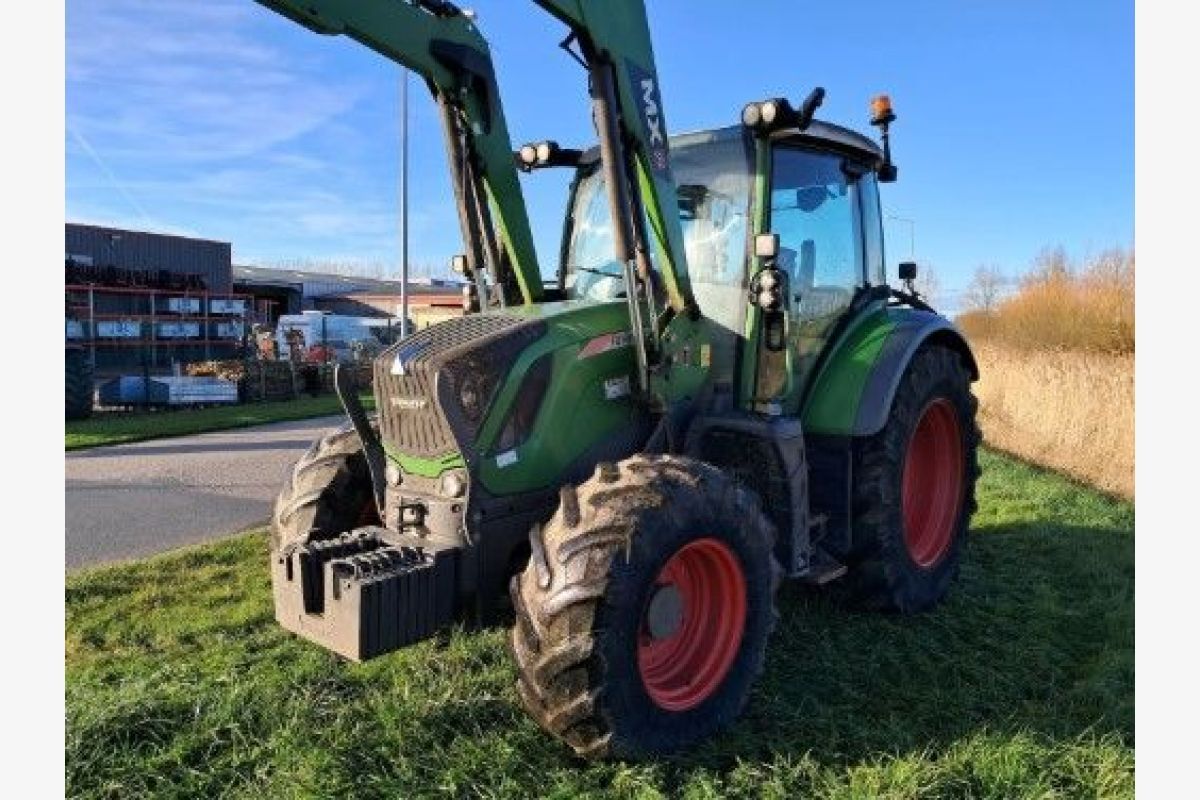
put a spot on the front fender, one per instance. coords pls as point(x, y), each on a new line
point(853, 392)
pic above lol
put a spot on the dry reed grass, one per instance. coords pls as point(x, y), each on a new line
point(1058, 308)
point(1068, 410)
point(1057, 361)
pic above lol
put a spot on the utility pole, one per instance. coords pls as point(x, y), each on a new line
point(404, 203)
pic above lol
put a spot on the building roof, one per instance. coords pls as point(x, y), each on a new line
point(338, 284)
point(108, 229)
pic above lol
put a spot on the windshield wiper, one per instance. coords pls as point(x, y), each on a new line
point(594, 271)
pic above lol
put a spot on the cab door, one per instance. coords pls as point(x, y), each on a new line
point(815, 203)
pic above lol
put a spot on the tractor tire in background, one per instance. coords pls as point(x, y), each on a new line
point(327, 493)
point(914, 490)
point(644, 612)
point(79, 385)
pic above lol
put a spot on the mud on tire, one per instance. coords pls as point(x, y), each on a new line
point(581, 604)
point(886, 573)
point(327, 492)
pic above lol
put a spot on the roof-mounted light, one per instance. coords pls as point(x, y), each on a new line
point(546, 154)
point(777, 113)
point(881, 110)
point(527, 156)
point(882, 116)
point(752, 115)
point(776, 110)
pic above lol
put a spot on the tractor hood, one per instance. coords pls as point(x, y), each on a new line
point(434, 387)
point(438, 390)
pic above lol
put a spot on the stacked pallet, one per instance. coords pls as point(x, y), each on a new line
point(279, 380)
point(270, 380)
point(229, 370)
point(364, 375)
point(318, 378)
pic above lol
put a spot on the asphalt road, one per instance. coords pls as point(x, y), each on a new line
point(133, 500)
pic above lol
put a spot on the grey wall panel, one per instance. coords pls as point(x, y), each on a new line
point(153, 251)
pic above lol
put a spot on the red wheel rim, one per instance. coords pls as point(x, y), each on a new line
point(682, 668)
point(933, 481)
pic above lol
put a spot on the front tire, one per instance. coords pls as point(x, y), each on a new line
point(914, 490)
point(327, 492)
point(644, 612)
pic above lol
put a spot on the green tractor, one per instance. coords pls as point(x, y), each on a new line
point(719, 391)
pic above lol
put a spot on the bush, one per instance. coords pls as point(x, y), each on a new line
point(1059, 308)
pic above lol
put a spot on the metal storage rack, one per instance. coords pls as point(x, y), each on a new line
point(122, 317)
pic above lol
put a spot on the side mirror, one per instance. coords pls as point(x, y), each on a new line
point(766, 245)
point(908, 274)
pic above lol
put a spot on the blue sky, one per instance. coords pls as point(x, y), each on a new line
point(223, 120)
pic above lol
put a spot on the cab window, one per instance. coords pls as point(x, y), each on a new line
point(868, 191)
point(815, 211)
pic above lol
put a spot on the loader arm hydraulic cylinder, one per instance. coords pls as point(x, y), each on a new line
point(440, 43)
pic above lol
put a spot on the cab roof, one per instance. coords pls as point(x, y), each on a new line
point(822, 134)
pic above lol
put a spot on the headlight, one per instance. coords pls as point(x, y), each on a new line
point(470, 397)
point(518, 424)
point(453, 484)
point(751, 115)
point(769, 111)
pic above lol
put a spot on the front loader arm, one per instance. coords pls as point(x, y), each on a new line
point(437, 41)
point(616, 34)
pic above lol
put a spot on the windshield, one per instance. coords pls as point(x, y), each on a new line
point(592, 271)
point(713, 175)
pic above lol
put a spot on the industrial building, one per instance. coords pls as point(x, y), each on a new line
point(285, 291)
point(138, 300)
point(145, 302)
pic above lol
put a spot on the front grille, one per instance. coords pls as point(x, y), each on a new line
point(409, 417)
point(420, 411)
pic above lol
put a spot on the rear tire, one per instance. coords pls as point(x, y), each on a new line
point(79, 384)
point(643, 615)
point(914, 490)
point(327, 492)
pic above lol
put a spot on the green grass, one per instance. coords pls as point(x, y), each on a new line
point(117, 427)
point(179, 684)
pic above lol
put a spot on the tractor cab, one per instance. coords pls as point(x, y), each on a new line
point(818, 194)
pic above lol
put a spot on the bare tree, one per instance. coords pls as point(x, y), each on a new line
point(928, 285)
point(984, 291)
point(1051, 265)
point(1113, 266)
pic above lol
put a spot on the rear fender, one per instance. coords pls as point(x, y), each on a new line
point(853, 393)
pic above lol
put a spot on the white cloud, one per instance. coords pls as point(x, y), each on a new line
point(189, 81)
point(227, 121)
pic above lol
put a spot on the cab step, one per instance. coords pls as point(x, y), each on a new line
point(822, 569)
point(365, 593)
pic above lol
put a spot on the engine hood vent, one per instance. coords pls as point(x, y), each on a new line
point(435, 387)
